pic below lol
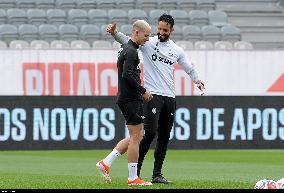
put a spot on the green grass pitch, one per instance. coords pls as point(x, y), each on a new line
point(188, 169)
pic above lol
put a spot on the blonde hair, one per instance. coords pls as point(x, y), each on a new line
point(141, 25)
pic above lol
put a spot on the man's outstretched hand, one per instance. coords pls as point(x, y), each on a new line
point(111, 28)
point(201, 87)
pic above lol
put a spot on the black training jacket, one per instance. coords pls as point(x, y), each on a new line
point(129, 83)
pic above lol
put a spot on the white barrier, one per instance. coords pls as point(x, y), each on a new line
point(93, 72)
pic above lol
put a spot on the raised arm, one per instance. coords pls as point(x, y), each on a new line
point(118, 36)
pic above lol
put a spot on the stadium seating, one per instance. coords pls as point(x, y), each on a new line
point(59, 44)
point(36, 16)
point(153, 29)
point(68, 32)
point(25, 4)
point(177, 34)
point(5, 4)
point(223, 45)
point(180, 16)
point(79, 44)
point(198, 17)
point(126, 29)
point(203, 45)
point(192, 19)
point(86, 4)
point(167, 5)
point(45, 4)
point(98, 16)
point(117, 15)
point(65, 4)
point(3, 44)
point(134, 14)
point(191, 33)
point(2, 16)
point(39, 44)
point(217, 17)
point(147, 5)
point(230, 33)
point(28, 32)
point(77, 17)
point(154, 15)
point(126, 4)
point(261, 21)
point(187, 5)
point(101, 44)
point(8, 33)
point(56, 16)
point(206, 5)
point(48, 32)
point(211, 33)
point(243, 45)
point(106, 4)
point(16, 16)
point(90, 33)
point(186, 45)
point(19, 44)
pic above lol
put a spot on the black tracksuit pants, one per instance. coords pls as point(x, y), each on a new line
point(159, 118)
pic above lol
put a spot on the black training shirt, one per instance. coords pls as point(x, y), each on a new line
point(129, 83)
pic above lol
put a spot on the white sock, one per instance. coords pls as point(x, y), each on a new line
point(132, 171)
point(111, 157)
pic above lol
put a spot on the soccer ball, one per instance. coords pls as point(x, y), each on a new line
point(265, 184)
point(261, 184)
point(280, 184)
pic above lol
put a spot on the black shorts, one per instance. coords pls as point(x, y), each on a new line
point(132, 112)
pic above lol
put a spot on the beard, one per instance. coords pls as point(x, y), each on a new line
point(163, 39)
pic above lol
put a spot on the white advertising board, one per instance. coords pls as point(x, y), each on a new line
point(94, 72)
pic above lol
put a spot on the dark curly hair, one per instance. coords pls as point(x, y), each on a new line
point(167, 18)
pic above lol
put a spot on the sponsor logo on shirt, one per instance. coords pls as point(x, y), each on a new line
point(155, 58)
